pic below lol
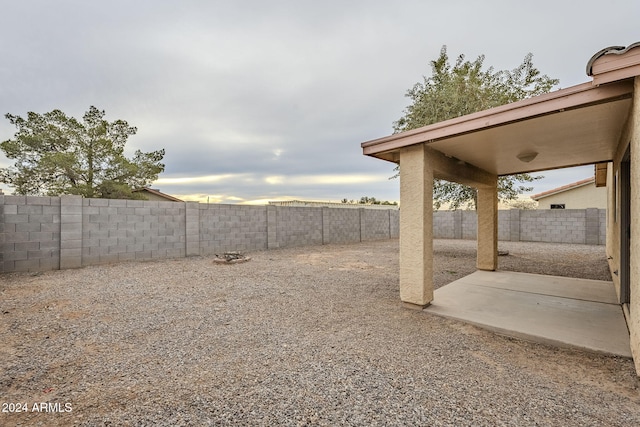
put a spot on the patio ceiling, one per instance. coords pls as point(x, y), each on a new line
point(569, 127)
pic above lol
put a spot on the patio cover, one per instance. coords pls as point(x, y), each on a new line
point(575, 126)
point(591, 123)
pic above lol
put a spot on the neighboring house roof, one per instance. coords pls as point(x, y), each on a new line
point(564, 188)
point(157, 193)
point(310, 203)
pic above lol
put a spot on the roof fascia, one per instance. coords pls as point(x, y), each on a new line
point(563, 189)
point(555, 102)
point(158, 193)
point(614, 63)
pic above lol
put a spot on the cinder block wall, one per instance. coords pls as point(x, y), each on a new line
point(469, 225)
point(375, 224)
point(579, 226)
point(443, 224)
point(394, 218)
point(29, 233)
point(232, 228)
point(127, 230)
point(602, 219)
point(556, 226)
point(340, 225)
point(504, 224)
point(298, 226)
point(48, 233)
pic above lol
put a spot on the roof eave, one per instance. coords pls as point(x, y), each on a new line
point(555, 102)
point(563, 189)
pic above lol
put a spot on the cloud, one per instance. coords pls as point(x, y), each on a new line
point(198, 179)
point(273, 180)
point(258, 100)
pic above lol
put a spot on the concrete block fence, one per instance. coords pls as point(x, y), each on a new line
point(50, 233)
point(578, 226)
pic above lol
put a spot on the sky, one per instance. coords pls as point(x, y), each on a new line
point(257, 101)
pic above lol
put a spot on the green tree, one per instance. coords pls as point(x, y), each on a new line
point(523, 204)
point(57, 154)
point(465, 88)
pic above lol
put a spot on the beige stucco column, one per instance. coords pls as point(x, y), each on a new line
point(416, 226)
point(488, 226)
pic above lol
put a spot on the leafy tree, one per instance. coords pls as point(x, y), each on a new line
point(365, 200)
point(57, 154)
point(523, 204)
point(465, 88)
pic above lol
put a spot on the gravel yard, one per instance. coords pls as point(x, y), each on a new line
point(302, 336)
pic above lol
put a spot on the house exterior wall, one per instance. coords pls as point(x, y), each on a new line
point(613, 233)
point(630, 140)
point(586, 196)
point(634, 305)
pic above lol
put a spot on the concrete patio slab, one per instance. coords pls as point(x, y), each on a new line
point(549, 309)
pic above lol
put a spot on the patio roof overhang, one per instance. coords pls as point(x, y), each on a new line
point(575, 126)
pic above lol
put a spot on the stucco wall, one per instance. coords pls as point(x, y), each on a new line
point(630, 139)
point(613, 233)
point(634, 304)
point(587, 196)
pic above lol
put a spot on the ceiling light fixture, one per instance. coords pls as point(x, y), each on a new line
point(527, 156)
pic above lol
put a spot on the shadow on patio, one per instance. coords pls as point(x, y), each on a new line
point(560, 311)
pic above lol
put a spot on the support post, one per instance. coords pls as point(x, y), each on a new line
point(416, 226)
point(488, 226)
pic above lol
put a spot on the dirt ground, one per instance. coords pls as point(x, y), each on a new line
point(300, 336)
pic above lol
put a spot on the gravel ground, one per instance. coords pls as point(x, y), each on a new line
point(303, 336)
